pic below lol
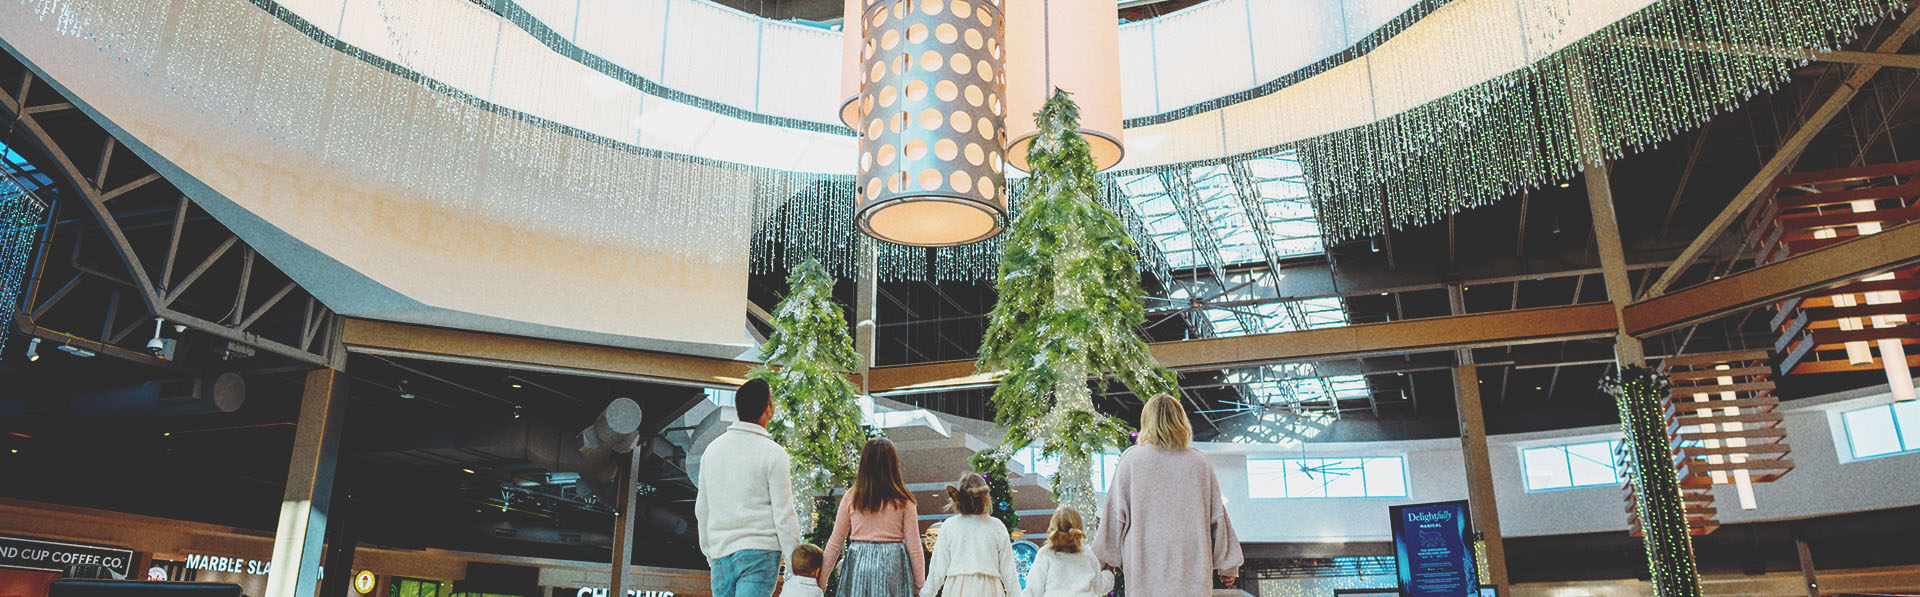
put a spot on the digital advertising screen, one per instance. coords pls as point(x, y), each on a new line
point(1433, 544)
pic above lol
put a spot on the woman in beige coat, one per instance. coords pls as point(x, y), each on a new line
point(1171, 543)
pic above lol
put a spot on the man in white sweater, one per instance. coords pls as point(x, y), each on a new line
point(745, 501)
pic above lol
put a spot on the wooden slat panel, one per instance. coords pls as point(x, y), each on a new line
point(1846, 175)
point(1716, 358)
point(1704, 374)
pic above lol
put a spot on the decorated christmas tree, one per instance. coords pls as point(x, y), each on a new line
point(1068, 312)
point(818, 416)
point(992, 466)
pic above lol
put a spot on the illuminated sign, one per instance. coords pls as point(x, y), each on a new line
point(1433, 547)
point(602, 592)
point(363, 582)
point(56, 556)
point(226, 564)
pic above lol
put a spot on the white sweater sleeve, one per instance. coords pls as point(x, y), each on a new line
point(1009, 572)
point(1037, 575)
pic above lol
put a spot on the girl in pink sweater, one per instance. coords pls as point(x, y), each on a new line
point(877, 528)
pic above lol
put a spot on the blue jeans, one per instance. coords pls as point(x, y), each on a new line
point(746, 573)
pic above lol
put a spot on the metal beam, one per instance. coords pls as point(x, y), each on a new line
point(1550, 324)
point(85, 189)
point(1839, 263)
point(1783, 159)
point(533, 354)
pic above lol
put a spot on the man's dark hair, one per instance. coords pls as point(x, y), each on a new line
point(751, 399)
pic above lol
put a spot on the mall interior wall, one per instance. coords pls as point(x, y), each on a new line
point(1826, 481)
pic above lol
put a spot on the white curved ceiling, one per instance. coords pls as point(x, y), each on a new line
point(697, 78)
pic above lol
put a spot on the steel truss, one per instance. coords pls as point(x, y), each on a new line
point(228, 292)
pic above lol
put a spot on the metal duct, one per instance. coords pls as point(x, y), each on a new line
point(161, 398)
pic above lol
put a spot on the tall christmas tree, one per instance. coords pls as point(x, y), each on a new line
point(1069, 309)
point(818, 416)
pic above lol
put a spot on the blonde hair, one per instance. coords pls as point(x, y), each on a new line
point(969, 495)
point(1164, 423)
point(1066, 532)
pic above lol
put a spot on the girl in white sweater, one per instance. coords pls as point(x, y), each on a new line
point(1065, 568)
point(974, 557)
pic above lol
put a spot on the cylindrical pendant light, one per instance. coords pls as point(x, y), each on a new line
point(1070, 45)
point(931, 119)
point(850, 38)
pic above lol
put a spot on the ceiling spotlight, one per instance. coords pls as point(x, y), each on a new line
point(1385, 293)
point(166, 434)
point(405, 394)
point(33, 350)
point(516, 411)
point(468, 471)
point(76, 351)
point(15, 451)
point(1565, 184)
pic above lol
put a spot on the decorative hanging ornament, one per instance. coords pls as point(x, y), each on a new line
point(1840, 328)
point(928, 101)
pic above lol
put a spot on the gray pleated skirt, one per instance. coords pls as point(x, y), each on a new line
point(873, 569)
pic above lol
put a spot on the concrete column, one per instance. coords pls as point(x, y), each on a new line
point(1473, 447)
point(308, 499)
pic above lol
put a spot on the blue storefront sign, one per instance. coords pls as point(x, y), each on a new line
point(1434, 546)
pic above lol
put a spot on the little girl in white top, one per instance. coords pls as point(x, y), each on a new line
point(974, 557)
point(1065, 568)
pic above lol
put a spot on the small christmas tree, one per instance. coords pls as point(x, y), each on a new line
point(818, 418)
point(1068, 310)
point(991, 465)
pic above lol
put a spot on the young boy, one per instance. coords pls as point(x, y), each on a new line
point(806, 573)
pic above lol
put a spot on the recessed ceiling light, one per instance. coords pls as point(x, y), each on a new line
point(468, 471)
point(1564, 184)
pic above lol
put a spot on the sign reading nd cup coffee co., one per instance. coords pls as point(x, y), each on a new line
point(55, 556)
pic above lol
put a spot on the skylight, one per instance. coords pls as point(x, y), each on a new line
point(1221, 215)
point(1224, 229)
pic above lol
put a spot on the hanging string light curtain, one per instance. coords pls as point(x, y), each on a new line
point(1420, 109)
point(21, 214)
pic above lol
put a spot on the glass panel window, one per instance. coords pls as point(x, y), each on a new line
point(1883, 429)
point(1592, 464)
point(1871, 432)
point(1266, 479)
point(1585, 464)
point(1386, 477)
point(1374, 477)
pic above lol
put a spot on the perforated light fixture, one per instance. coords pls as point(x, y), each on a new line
point(1073, 46)
point(927, 85)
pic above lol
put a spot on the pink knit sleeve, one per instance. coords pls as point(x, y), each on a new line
point(916, 551)
point(842, 525)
